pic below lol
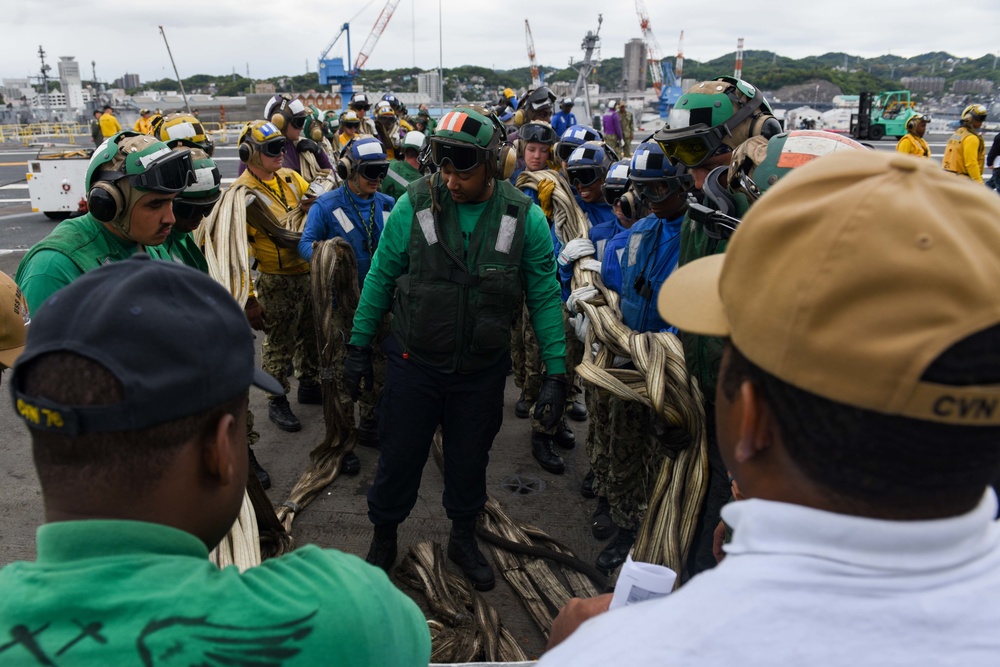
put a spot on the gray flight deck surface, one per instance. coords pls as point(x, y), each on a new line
point(338, 516)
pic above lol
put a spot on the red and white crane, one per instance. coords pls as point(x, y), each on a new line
point(536, 80)
point(377, 30)
point(652, 46)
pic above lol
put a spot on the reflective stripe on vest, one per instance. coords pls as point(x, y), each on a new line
point(344, 221)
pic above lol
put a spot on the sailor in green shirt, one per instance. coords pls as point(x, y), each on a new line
point(406, 169)
point(131, 183)
point(139, 440)
point(191, 206)
point(456, 253)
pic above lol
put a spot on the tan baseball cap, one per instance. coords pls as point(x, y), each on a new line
point(850, 277)
point(14, 321)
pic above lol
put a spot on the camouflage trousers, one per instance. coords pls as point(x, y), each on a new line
point(368, 401)
point(253, 437)
point(289, 332)
point(598, 435)
point(533, 365)
point(624, 455)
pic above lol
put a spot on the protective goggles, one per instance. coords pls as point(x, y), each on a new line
point(272, 147)
point(352, 126)
point(564, 149)
point(699, 143)
point(587, 175)
point(542, 134)
point(612, 193)
point(171, 173)
point(463, 157)
point(660, 189)
point(188, 209)
point(373, 171)
point(298, 122)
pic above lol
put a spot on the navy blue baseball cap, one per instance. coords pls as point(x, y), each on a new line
point(176, 340)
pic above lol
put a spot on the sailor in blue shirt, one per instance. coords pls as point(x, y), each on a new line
point(356, 212)
point(563, 118)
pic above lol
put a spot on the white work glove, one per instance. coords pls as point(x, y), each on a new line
point(591, 265)
point(581, 325)
point(585, 293)
point(574, 250)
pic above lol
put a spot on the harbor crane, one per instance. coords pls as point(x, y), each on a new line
point(536, 79)
point(666, 82)
point(591, 42)
point(332, 70)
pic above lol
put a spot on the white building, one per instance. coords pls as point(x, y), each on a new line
point(70, 82)
point(429, 84)
point(14, 89)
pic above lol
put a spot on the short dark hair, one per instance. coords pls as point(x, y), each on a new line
point(882, 464)
point(108, 106)
point(127, 460)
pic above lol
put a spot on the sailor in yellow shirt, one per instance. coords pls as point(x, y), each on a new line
point(109, 124)
point(145, 123)
point(966, 151)
point(350, 127)
point(283, 307)
point(913, 142)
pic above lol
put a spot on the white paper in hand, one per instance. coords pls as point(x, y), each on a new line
point(639, 582)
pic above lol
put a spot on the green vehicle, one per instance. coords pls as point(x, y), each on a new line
point(882, 114)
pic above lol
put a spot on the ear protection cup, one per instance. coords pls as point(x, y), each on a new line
point(105, 201)
point(506, 161)
point(278, 119)
point(246, 152)
point(765, 125)
point(345, 165)
point(629, 204)
point(520, 118)
point(316, 133)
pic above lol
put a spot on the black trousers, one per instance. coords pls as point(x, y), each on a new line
point(469, 408)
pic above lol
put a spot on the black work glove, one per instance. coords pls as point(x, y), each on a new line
point(551, 400)
point(255, 313)
point(358, 367)
point(309, 146)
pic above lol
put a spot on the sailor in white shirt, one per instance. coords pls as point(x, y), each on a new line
point(859, 409)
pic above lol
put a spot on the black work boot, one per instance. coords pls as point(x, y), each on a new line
point(464, 552)
point(310, 394)
point(521, 407)
point(368, 432)
point(617, 550)
point(262, 476)
point(587, 486)
point(541, 449)
point(350, 464)
point(382, 552)
point(280, 412)
point(601, 525)
point(564, 436)
point(577, 412)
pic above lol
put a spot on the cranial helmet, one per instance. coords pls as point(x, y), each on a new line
point(713, 117)
point(182, 127)
point(126, 167)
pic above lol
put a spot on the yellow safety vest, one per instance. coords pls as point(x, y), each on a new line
point(911, 144)
point(965, 154)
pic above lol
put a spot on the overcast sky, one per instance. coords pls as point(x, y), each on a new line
point(216, 36)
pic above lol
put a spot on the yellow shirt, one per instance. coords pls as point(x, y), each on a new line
point(965, 154)
point(270, 258)
point(109, 125)
point(911, 144)
point(143, 125)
